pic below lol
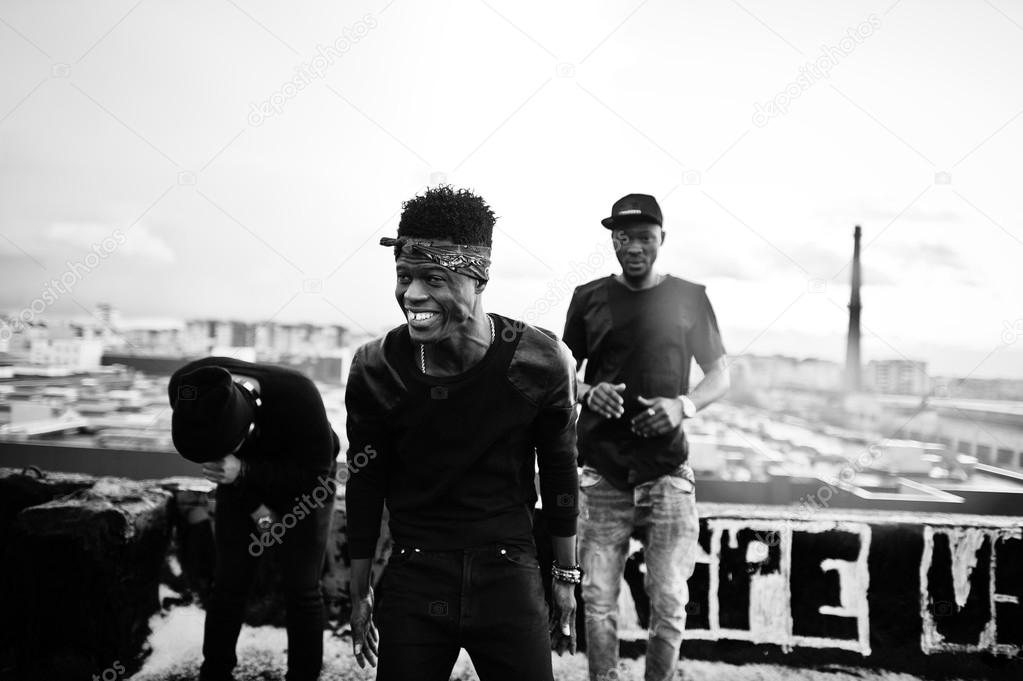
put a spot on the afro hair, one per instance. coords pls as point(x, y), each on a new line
point(446, 213)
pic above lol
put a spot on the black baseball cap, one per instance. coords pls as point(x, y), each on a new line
point(633, 208)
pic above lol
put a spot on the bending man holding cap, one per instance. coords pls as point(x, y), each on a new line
point(638, 333)
point(262, 434)
point(448, 414)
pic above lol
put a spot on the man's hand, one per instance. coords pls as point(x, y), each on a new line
point(563, 636)
point(606, 400)
point(365, 637)
point(222, 471)
point(662, 415)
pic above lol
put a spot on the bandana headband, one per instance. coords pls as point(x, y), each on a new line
point(472, 261)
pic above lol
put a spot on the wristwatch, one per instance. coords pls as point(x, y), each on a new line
point(688, 407)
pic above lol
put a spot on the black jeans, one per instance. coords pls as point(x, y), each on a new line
point(301, 547)
point(488, 600)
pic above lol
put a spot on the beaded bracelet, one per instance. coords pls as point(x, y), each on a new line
point(569, 575)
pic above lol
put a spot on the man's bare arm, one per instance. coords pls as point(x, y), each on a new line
point(365, 637)
point(606, 398)
point(715, 383)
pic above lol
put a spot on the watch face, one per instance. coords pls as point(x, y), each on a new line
point(688, 408)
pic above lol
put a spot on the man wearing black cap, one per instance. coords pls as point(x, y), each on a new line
point(448, 415)
point(638, 333)
point(262, 434)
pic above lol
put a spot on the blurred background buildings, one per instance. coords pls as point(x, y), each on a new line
point(886, 434)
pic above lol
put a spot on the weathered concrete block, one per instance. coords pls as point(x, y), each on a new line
point(20, 489)
point(193, 557)
point(85, 574)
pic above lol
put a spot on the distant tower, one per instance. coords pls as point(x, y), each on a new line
point(853, 382)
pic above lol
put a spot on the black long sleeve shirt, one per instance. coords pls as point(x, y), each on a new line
point(454, 457)
point(294, 447)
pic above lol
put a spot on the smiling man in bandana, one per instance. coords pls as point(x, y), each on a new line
point(448, 417)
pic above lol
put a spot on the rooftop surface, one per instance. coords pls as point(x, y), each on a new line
point(177, 646)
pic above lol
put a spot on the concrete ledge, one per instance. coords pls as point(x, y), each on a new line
point(81, 577)
point(931, 594)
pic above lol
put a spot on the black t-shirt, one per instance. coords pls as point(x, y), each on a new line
point(647, 340)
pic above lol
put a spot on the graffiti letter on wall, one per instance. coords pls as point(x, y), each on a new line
point(754, 567)
point(961, 601)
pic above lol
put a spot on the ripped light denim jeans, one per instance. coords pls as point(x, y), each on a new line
point(665, 510)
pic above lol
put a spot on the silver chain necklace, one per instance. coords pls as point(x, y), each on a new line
point(422, 348)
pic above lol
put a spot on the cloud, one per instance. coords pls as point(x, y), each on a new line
point(81, 235)
point(752, 260)
point(142, 242)
point(929, 253)
point(818, 259)
point(138, 241)
point(899, 262)
point(945, 216)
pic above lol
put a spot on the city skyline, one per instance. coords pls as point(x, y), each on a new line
point(165, 337)
point(249, 170)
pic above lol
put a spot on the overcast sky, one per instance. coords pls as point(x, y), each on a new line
point(242, 158)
